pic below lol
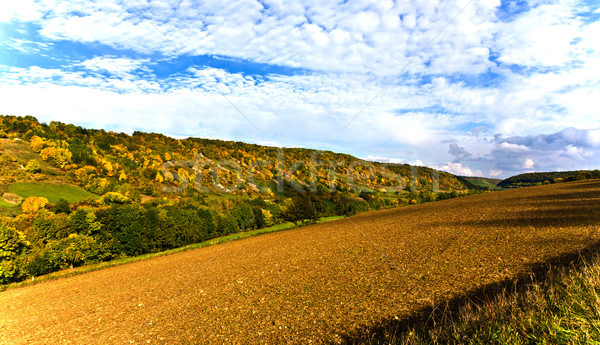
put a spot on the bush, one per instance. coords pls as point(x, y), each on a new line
point(62, 206)
point(33, 166)
point(114, 198)
point(33, 204)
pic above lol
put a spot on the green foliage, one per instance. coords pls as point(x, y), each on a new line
point(13, 248)
point(244, 216)
point(62, 206)
point(75, 250)
point(300, 209)
point(198, 189)
point(530, 179)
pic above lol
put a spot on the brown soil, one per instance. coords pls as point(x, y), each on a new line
point(312, 284)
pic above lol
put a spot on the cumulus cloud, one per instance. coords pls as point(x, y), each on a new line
point(376, 37)
point(513, 147)
point(481, 91)
point(457, 169)
point(458, 152)
point(528, 164)
point(25, 10)
point(114, 65)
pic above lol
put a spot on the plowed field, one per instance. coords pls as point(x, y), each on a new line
point(312, 284)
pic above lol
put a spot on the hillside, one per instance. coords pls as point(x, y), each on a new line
point(538, 178)
point(320, 283)
point(104, 161)
point(73, 196)
point(483, 182)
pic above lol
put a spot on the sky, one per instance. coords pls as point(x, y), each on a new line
point(487, 88)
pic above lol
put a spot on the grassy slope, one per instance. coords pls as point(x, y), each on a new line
point(488, 183)
point(563, 309)
point(53, 192)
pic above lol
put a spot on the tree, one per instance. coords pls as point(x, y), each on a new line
point(62, 206)
point(33, 204)
point(74, 250)
point(300, 209)
point(13, 248)
point(244, 216)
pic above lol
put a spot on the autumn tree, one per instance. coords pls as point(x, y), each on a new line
point(33, 204)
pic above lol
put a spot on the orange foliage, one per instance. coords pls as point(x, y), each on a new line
point(34, 204)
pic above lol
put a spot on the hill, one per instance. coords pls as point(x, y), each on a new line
point(92, 196)
point(150, 163)
point(483, 182)
point(324, 283)
point(538, 178)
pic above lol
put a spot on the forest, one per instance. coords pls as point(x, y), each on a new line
point(539, 178)
point(117, 195)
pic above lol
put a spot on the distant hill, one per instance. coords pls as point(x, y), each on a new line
point(483, 182)
point(419, 177)
point(537, 178)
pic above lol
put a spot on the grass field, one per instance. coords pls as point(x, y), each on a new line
point(5, 204)
point(333, 282)
point(53, 192)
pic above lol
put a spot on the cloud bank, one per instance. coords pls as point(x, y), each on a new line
point(474, 88)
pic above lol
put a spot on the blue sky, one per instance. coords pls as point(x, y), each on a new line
point(481, 87)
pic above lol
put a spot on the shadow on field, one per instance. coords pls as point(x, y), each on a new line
point(562, 209)
point(386, 330)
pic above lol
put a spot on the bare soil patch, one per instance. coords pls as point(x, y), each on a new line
point(314, 284)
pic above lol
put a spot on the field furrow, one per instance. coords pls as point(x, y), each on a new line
point(313, 284)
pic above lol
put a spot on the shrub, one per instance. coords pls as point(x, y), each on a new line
point(33, 204)
point(33, 166)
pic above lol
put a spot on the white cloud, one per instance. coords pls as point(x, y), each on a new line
point(350, 36)
point(542, 36)
point(117, 66)
point(23, 10)
point(547, 60)
point(513, 147)
point(25, 46)
point(528, 164)
point(457, 169)
point(495, 173)
point(382, 159)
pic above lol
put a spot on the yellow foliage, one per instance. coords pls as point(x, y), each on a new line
point(159, 177)
point(268, 216)
point(122, 176)
point(34, 204)
point(183, 174)
point(48, 152)
point(108, 166)
point(168, 156)
point(37, 143)
point(82, 174)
